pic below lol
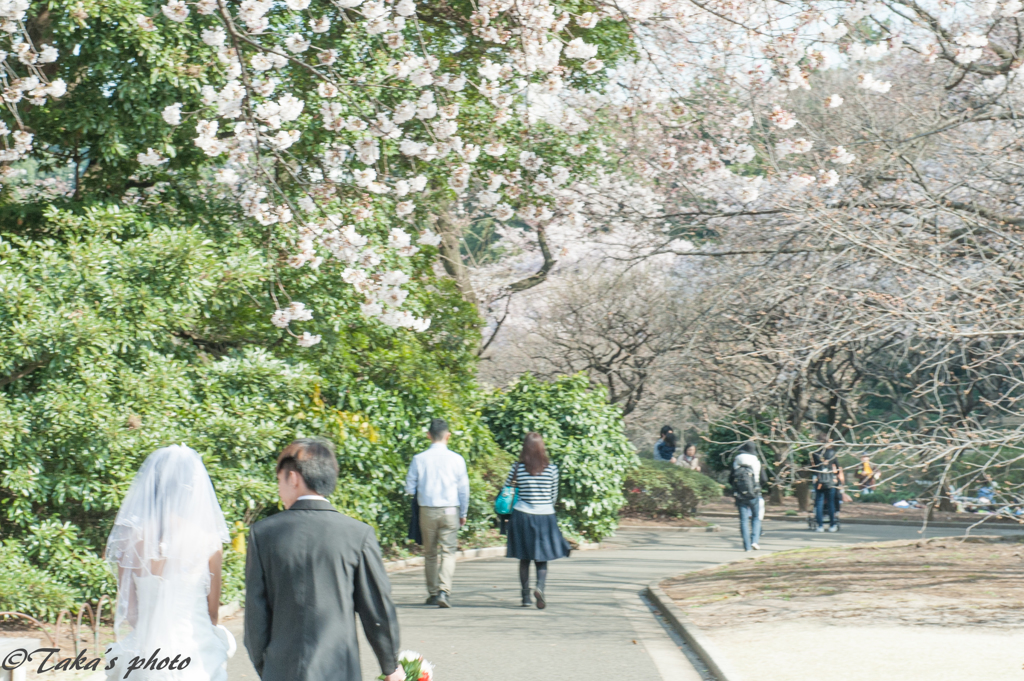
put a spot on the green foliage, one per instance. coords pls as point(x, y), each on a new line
point(69, 559)
point(232, 587)
point(135, 331)
point(584, 436)
point(726, 435)
point(663, 488)
point(27, 589)
point(135, 306)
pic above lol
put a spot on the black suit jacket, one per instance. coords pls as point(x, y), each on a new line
point(415, 533)
point(309, 570)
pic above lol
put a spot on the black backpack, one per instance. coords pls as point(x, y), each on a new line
point(826, 472)
point(744, 484)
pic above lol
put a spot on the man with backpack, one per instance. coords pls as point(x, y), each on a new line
point(828, 477)
point(746, 491)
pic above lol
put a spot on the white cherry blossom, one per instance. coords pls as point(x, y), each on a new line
point(151, 158)
point(175, 10)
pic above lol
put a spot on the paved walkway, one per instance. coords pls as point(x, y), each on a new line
point(596, 625)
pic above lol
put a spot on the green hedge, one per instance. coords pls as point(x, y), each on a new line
point(663, 488)
point(27, 589)
point(135, 330)
point(584, 436)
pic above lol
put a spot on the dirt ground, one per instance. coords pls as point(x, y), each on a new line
point(945, 581)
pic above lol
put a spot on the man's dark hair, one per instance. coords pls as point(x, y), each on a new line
point(665, 429)
point(313, 458)
point(748, 447)
point(437, 429)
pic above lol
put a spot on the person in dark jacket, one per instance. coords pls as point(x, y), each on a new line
point(745, 480)
point(665, 448)
point(309, 571)
point(828, 479)
point(533, 533)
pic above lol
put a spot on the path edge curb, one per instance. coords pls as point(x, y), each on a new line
point(945, 525)
point(690, 632)
point(468, 554)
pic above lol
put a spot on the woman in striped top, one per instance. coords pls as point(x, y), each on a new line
point(533, 533)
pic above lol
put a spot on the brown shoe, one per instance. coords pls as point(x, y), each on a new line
point(539, 595)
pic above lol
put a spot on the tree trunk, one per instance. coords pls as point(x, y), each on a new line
point(802, 490)
point(448, 228)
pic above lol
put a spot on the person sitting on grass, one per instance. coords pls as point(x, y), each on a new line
point(867, 477)
point(688, 459)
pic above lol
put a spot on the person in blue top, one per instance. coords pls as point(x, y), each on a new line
point(665, 448)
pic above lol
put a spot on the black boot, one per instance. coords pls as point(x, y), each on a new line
point(542, 577)
point(526, 598)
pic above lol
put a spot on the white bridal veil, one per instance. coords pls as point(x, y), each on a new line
point(169, 526)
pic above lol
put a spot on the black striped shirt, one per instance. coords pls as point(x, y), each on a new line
point(535, 490)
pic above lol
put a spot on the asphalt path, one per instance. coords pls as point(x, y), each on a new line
point(596, 625)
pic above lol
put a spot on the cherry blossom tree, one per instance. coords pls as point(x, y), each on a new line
point(847, 179)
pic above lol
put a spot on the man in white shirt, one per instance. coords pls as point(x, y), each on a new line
point(439, 479)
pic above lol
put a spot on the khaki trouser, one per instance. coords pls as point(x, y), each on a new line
point(440, 528)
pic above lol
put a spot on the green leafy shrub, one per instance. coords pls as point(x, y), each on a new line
point(584, 436)
point(232, 585)
point(135, 330)
point(71, 560)
point(27, 589)
point(724, 437)
point(663, 488)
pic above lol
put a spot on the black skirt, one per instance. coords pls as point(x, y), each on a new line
point(535, 537)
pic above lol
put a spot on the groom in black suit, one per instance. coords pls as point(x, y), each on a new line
point(308, 571)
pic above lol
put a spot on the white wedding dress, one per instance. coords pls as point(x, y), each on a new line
point(169, 527)
point(184, 630)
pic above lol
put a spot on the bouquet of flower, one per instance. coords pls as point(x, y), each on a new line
point(415, 666)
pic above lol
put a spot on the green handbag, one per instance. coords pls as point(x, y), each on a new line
point(508, 496)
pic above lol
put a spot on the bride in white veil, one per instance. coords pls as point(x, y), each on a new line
point(166, 548)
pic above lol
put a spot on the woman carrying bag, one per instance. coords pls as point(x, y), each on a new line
point(533, 533)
